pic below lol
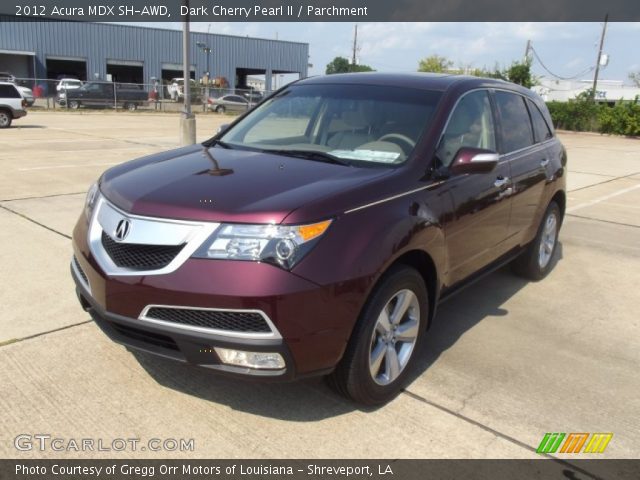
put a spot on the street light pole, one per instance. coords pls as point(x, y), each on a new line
point(207, 50)
point(187, 120)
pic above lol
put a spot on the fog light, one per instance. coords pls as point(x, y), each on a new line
point(240, 358)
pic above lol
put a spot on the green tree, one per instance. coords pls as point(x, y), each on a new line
point(342, 65)
point(520, 73)
point(635, 78)
point(338, 65)
point(435, 64)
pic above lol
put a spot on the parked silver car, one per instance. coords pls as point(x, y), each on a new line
point(230, 103)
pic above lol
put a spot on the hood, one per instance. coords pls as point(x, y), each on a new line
point(262, 188)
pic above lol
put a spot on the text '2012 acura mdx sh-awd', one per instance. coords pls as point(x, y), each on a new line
point(318, 232)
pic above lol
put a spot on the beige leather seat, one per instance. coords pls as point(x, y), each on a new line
point(356, 133)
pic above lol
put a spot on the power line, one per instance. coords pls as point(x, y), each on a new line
point(574, 77)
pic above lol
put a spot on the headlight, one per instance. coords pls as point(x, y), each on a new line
point(90, 201)
point(281, 245)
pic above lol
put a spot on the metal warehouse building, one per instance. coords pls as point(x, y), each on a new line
point(123, 53)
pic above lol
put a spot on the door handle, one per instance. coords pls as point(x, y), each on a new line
point(501, 182)
point(544, 162)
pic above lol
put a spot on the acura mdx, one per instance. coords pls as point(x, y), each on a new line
point(317, 234)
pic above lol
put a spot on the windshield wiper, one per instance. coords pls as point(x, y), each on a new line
point(314, 155)
point(215, 141)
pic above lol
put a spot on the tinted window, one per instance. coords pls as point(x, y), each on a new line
point(541, 130)
point(516, 126)
point(470, 125)
point(9, 91)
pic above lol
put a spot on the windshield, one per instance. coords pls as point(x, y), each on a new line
point(358, 124)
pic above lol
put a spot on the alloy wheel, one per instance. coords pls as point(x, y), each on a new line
point(548, 240)
point(394, 337)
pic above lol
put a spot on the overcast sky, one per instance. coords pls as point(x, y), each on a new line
point(566, 49)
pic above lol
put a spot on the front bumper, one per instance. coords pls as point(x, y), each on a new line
point(312, 322)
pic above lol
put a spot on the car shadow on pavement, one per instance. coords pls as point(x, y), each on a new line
point(468, 308)
point(312, 400)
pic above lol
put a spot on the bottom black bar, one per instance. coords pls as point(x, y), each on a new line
point(321, 469)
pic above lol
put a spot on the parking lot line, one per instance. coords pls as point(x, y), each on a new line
point(602, 199)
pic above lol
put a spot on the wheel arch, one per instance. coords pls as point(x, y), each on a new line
point(560, 197)
point(424, 264)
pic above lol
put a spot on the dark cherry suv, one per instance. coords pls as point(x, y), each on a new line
point(318, 232)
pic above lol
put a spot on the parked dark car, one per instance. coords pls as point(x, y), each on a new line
point(317, 234)
point(104, 94)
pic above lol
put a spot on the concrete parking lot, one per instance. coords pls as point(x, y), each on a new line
point(506, 361)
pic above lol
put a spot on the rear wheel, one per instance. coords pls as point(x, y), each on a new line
point(220, 109)
point(131, 107)
point(382, 345)
point(537, 259)
point(5, 119)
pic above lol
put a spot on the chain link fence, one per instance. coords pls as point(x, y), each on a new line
point(72, 94)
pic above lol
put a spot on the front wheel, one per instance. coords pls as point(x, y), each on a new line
point(537, 259)
point(5, 119)
point(380, 352)
point(74, 104)
point(131, 107)
point(220, 109)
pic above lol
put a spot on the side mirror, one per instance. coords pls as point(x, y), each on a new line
point(222, 128)
point(474, 160)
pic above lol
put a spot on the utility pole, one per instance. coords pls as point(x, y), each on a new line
point(526, 51)
point(595, 76)
point(188, 119)
point(355, 46)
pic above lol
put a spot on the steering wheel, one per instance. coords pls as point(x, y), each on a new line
point(398, 136)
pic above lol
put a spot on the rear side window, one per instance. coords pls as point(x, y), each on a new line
point(541, 130)
point(9, 91)
point(516, 132)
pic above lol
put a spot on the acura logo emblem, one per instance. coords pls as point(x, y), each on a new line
point(122, 229)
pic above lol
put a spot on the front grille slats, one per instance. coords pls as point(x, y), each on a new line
point(139, 257)
point(145, 336)
point(80, 271)
point(244, 322)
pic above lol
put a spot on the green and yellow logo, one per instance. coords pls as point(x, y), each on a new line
point(573, 442)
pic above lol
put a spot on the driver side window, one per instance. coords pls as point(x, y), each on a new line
point(470, 125)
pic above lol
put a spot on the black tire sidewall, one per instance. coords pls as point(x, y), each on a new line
point(529, 265)
point(364, 388)
point(9, 119)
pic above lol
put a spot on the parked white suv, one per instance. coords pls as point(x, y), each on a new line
point(68, 84)
point(12, 104)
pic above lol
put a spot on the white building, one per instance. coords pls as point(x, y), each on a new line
point(610, 91)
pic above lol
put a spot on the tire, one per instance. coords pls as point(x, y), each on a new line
point(366, 373)
point(132, 107)
point(74, 105)
point(220, 109)
point(5, 119)
point(537, 259)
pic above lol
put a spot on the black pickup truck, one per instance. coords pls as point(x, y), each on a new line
point(104, 94)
